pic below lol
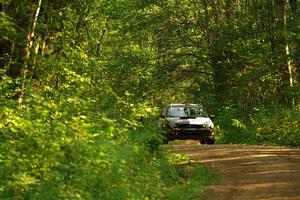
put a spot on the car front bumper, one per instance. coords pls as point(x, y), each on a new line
point(190, 133)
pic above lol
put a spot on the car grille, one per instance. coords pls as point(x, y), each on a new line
point(188, 126)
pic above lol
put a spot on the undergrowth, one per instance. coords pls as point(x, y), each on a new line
point(264, 126)
point(50, 151)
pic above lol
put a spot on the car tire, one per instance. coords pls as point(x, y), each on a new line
point(210, 141)
point(202, 141)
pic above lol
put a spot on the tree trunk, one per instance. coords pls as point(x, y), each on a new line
point(12, 49)
point(271, 27)
point(100, 43)
point(29, 44)
point(295, 21)
point(287, 49)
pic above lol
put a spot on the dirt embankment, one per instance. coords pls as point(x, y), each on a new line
point(249, 172)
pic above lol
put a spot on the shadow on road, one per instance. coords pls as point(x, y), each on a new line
point(250, 172)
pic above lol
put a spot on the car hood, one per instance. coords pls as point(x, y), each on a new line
point(193, 121)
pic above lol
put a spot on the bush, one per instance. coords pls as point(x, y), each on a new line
point(278, 127)
point(49, 151)
point(266, 126)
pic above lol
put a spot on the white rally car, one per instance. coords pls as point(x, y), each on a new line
point(188, 121)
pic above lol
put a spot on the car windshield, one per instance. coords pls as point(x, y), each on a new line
point(185, 111)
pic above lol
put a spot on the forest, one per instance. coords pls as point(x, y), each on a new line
point(82, 84)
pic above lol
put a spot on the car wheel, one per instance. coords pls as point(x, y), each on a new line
point(203, 141)
point(210, 141)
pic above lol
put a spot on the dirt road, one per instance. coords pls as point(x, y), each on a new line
point(250, 172)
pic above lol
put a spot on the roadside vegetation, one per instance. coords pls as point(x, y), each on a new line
point(278, 127)
point(51, 152)
point(83, 82)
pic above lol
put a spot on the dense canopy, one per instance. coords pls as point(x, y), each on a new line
point(82, 84)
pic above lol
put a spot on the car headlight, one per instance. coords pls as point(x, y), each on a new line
point(165, 125)
point(172, 125)
point(206, 125)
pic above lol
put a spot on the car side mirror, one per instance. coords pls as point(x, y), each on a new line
point(212, 116)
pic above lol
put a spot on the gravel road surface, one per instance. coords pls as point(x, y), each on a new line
point(249, 172)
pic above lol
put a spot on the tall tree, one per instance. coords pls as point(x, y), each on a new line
point(27, 50)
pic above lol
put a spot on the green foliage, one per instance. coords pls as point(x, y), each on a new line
point(232, 127)
point(92, 76)
point(266, 126)
point(6, 25)
point(193, 178)
point(281, 127)
point(49, 151)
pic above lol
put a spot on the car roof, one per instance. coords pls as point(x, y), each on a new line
point(183, 104)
